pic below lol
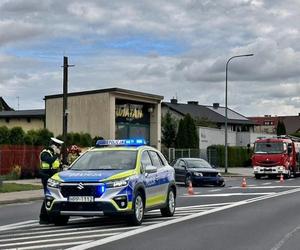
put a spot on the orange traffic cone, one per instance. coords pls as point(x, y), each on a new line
point(244, 183)
point(190, 189)
point(281, 178)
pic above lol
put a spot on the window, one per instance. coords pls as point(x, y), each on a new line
point(181, 164)
point(155, 159)
point(146, 161)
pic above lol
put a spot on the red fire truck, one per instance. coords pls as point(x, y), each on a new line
point(276, 156)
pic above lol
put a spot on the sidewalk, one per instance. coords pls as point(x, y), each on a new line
point(22, 196)
point(25, 196)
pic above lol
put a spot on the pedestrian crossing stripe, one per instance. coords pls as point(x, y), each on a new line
point(28, 234)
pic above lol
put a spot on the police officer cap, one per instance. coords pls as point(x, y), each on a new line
point(57, 141)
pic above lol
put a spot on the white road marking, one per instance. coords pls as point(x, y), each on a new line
point(32, 231)
point(267, 183)
point(181, 219)
point(58, 239)
point(265, 187)
point(285, 239)
point(227, 195)
point(18, 224)
point(215, 190)
point(64, 234)
point(52, 245)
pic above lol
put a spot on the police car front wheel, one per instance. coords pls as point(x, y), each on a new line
point(169, 210)
point(138, 210)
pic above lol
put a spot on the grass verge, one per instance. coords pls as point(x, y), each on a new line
point(15, 187)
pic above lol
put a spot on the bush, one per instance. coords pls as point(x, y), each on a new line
point(16, 136)
point(4, 135)
point(85, 140)
point(14, 174)
point(237, 156)
point(95, 139)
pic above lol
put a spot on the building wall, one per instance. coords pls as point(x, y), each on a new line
point(86, 113)
point(95, 114)
point(35, 123)
point(212, 136)
point(245, 138)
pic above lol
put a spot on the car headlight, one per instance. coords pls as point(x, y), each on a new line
point(219, 175)
point(53, 183)
point(281, 168)
point(117, 183)
point(256, 168)
point(197, 174)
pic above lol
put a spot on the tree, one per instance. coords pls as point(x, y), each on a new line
point(187, 135)
point(281, 128)
point(168, 130)
point(4, 135)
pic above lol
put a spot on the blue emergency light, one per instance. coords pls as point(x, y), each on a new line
point(124, 142)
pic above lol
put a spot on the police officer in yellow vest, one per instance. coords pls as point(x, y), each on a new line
point(49, 165)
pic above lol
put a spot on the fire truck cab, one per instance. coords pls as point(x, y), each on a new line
point(276, 156)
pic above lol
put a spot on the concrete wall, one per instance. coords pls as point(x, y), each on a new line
point(35, 123)
point(244, 138)
point(86, 113)
point(212, 136)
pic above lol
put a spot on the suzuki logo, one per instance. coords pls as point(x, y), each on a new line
point(80, 186)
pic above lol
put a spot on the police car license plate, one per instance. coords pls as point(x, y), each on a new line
point(81, 199)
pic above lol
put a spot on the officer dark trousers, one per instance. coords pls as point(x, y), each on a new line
point(45, 175)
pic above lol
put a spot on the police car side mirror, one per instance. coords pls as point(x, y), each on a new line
point(150, 169)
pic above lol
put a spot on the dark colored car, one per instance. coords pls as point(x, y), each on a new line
point(198, 171)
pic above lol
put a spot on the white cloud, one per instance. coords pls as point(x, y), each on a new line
point(167, 48)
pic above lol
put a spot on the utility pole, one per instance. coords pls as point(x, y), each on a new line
point(18, 97)
point(65, 108)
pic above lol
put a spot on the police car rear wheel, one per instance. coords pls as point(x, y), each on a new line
point(138, 210)
point(60, 220)
point(169, 210)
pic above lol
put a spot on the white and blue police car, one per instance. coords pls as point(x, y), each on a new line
point(115, 177)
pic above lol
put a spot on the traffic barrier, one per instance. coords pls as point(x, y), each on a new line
point(190, 189)
point(244, 183)
point(281, 178)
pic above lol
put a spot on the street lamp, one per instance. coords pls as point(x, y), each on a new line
point(226, 118)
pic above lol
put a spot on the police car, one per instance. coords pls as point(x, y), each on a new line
point(115, 177)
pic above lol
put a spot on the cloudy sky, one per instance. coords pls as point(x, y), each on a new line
point(171, 48)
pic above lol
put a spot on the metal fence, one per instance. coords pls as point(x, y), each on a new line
point(25, 156)
point(172, 154)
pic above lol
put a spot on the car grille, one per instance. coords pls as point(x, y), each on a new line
point(209, 174)
point(268, 163)
point(80, 206)
point(87, 190)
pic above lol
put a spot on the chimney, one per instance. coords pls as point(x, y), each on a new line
point(216, 105)
point(174, 101)
point(192, 102)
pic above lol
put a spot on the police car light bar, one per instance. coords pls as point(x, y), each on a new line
point(125, 142)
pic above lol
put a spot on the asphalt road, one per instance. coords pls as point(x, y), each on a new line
point(264, 215)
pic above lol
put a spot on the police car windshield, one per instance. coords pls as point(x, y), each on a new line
point(106, 160)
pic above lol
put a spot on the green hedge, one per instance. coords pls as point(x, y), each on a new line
point(41, 137)
point(237, 156)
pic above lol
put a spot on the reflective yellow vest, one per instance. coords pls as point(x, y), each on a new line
point(45, 165)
